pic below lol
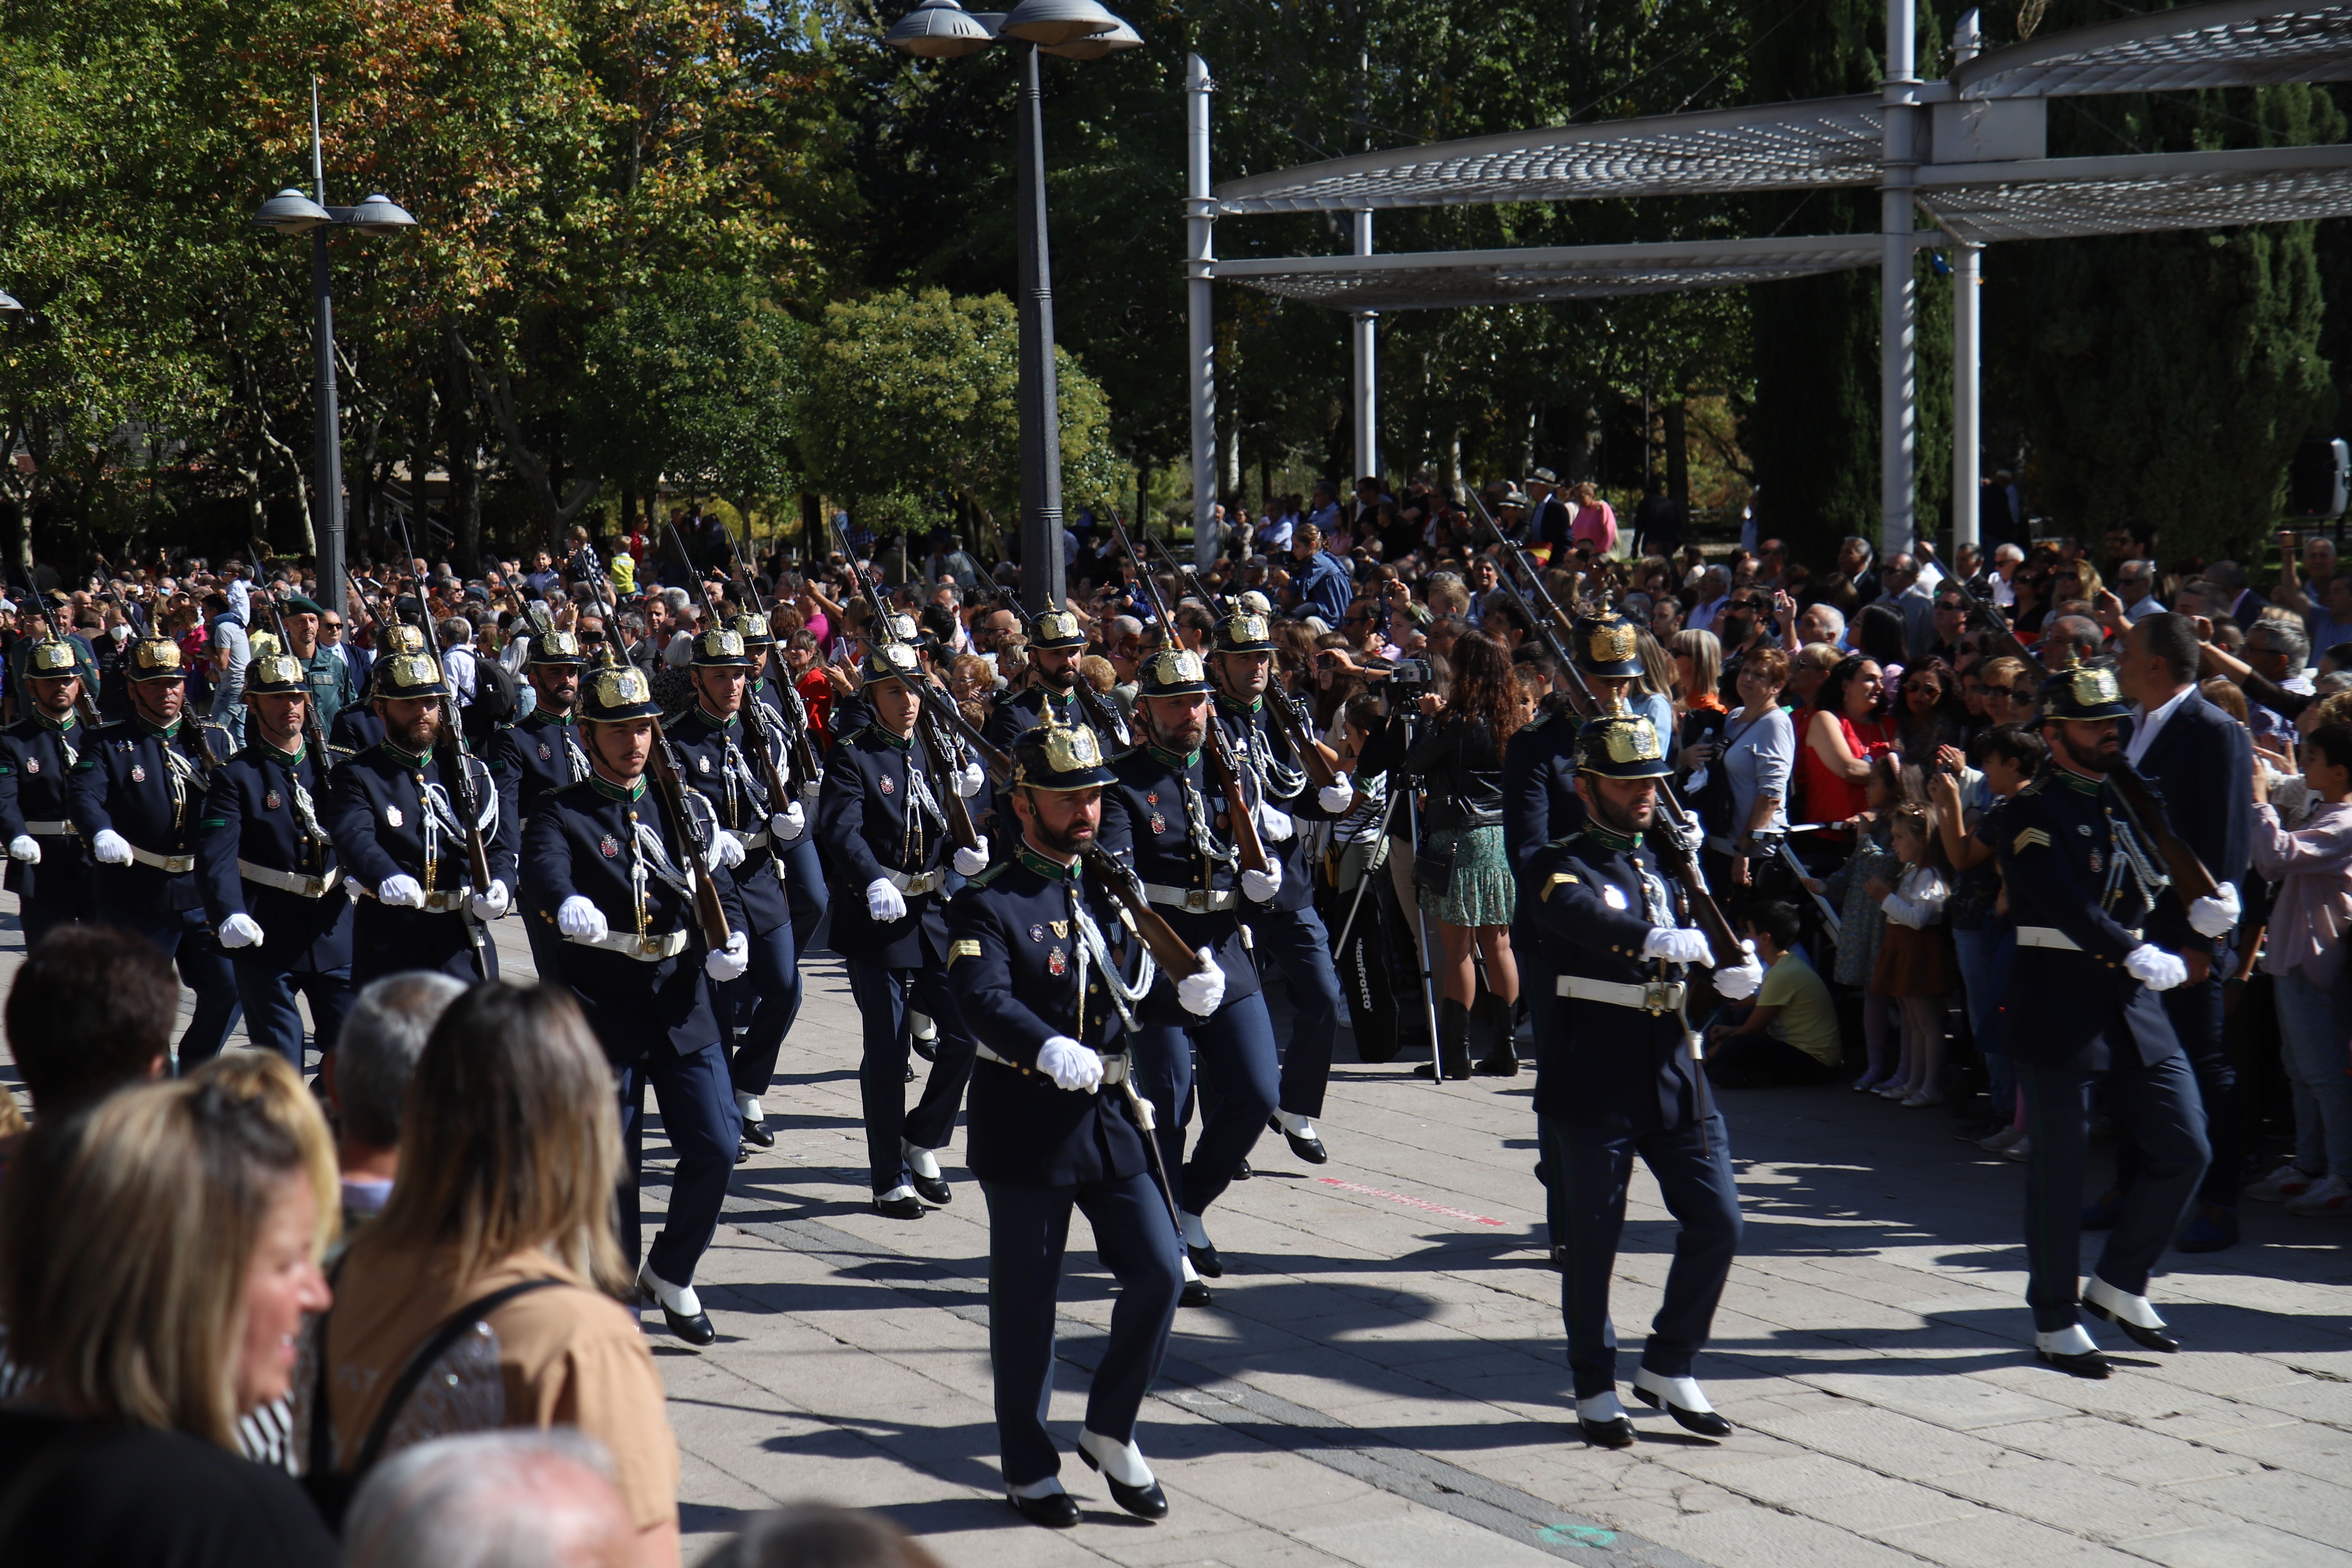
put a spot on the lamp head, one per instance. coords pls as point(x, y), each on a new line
point(291, 212)
point(1095, 45)
point(939, 30)
point(380, 215)
point(1050, 23)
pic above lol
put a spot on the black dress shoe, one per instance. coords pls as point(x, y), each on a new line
point(933, 1190)
point(1706, 1423)
point(1244, 1171)
point(2147, 1339)
point(926, 1049)
point(1054, 1510)
point(2090, 1363)
point(1144, 1502)
point(1306, 1145)
point(694, 1331)
point(1497, 1067)
point(743, 1151)
point(1205, 1260)
point(759, 1132)
point(908, 1207)
point(1195, 1294)
point(1616, 1434)
point(910, 1072)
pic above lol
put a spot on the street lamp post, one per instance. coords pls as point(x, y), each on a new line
point(1074, 29)
point(289, 212)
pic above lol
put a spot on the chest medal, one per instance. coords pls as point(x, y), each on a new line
point(887, 787)
point(2098, 862)
point(1613, 894)
point(1056, 962)
point(1151, 797)
point(544, 754)
point(1061, 928)
point(32, 764)
point(138, 773)
point(392, 816)
point(273, 800)
point(1036, 933)
point(1158, 824)
point(703, 763)
point(610, 847)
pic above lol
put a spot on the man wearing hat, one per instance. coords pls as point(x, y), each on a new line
point(394, 815)
point(2082, 878)
point(1166, 816)
point(1552, 520)
point(715, 753)
point(272, 886)
point(803, 872)
point(881, 819)
point(1286, 930)
point(137, 799)
point(1617, 1077)
point(603, 864)
point(538, 756)
point(359, 726)
point(1057, 644)
point(1040, 966)
point(329, 675)
point(48, 866)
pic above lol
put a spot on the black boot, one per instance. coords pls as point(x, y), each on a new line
point(1452, 1042)
point(1502, 1058)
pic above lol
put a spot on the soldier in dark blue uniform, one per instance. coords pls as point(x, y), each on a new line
point(2082, 879)
point(271, 884)
point(49, 865)
point(1617, 1077)
point(882, 821)
point(602, 864)
point(392, 813)
point(1286, 931)
point(137, 795)
point(1036, 972)
point(1056, 644)
point(804, 888)
point(359, 726)
point(1161, 813)
point(540, 754)
point(714, 749)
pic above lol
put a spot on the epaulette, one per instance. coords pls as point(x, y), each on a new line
point(982, 878)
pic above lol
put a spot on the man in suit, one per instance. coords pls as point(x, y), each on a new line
point(2201, 761)
point(359, 660)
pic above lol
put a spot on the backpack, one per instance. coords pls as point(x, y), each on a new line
point(497, 697)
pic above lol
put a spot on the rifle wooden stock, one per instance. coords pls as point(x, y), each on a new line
point(796, 735)
point(942, 706)
point(940, 754)
point(1312, 755)
point(1167, 949)
point(669, 790)
point(1224, 771)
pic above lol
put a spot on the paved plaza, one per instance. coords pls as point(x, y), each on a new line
point(1381, 1384)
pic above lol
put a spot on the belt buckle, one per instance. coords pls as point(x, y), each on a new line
point(1656, 998)
point(1196, 900)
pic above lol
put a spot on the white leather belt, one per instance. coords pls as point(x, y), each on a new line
point(435, 903)
point(759, 841)
point(1652, 997)
point(1114, 1067)
point(1196, 900)
point(2051, 937)
point(290, 881)
point(175, 865)
point(645, 949)
point(52, 829)
point(915, 887)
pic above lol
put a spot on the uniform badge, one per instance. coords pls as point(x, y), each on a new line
point(1056, 962)
point(887, 787)
point(273, 800)
point(1159, 822)
point(703, 763)
point(1036, 933)
point(392, 816)
point(2098, 862)
point(1151, 797)
point(2083, 828)
point(610, 847)
point(1061, 928)
point(138, 773)
point(1613, 894)
point(1221, 822)
point(544, 754)
point(32, 764)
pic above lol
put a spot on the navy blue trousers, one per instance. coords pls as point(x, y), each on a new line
point(272, 1021)
point(884, 997)
point(1296, 943)
point(546, 945)
point(1027, 1230)
point(1236, 1049)
point(2195, 1014)
point(698, 1112)
point(2161, 1108)
point(758, 1007)
point(1589, 1168)
point(804, 889)
point(188, 941)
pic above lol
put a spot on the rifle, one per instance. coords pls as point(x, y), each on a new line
point(1311, 753)
point(755, 712)
point(314, 733)
point(1551, 622)
point(1099, 715)
point(804, 762)
point(1117, 880)
point(84, 704)
point(1224, 771)
point(464, 794)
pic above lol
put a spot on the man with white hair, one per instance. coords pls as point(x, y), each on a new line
point(1714, 590)
point(493, 1499)
point(456, 635)
point(2006, 559)
point(1824, 623)
point(2135, 588)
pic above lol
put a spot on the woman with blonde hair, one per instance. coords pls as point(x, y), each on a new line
point(501, 1228)
point(157, 1255)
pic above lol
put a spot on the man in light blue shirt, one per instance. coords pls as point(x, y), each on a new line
point(1321, 581)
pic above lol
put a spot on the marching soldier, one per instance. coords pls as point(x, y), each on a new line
point(1035, 971)
point(271, 885)
point(358, 726)
point(882, 821)
point(2083, 877)
point(804, 885)
point(714, 745)
point(539, 756)
point(603, 864)
point(1160, 812)
point(1617, 1077)
point(137, 795)
point(1056, 644)
point(392, 813)
point(48, 866)
point(1287, 929)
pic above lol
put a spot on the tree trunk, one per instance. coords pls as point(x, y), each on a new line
point(1678, 456)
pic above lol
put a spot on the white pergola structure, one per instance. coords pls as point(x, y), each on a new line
point(1970, 153)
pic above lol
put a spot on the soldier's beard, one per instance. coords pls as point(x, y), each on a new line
point(1071, 839)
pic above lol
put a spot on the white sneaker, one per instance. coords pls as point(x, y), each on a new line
point(2289, 1181)
point(2331, 1195)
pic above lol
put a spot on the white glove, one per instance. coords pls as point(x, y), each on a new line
point(401, 891)
point(111, 849)
point(1259, 887)
point(24, 847)
point(579, 916)
point(884, 902)
point(1743, 979)
point(789, 823)
point(1069, 1064)
point(971, 862)
point(1678, 944)
point(1272, 824)
point(728, 963)
point(240, 931)
point(970, 782)
point(1336, 798)
point(814, 787)
point(726, 850)
point(1204, 992)
point(492, 902)
point(2215, 914)
point(2154, 968)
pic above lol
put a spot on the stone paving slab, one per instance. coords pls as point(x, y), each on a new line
point(1381, 1384)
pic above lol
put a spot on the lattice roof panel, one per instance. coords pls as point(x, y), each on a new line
point(1821, 142)
point(2069, 197)
point(2233, 44)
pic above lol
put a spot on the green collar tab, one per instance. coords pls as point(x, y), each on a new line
point(1052, 871)
point(714, 720)
point(292, 758)
point(2077, 783)
point(634, 790)
point(167, 731)
point(406, 759)
point(1623, 843)
point(1174, 758)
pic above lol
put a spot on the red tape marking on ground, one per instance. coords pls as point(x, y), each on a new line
point(1409, 1203)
